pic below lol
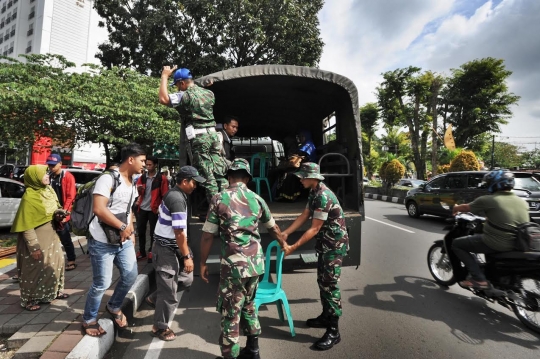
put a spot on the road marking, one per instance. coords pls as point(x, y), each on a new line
point(391, 225)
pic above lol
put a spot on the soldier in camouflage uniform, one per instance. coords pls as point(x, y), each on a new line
point(328, 226)
point(195, 105)
point(235, 214)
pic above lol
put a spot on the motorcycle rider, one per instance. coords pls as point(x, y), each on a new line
point(504, 211)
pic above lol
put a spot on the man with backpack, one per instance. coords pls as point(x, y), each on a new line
point(505, 212)
point(63, 184)
point(152, 186)
point(111, 239)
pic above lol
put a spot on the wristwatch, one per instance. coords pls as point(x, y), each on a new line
point(123, 227)
point(188, 256)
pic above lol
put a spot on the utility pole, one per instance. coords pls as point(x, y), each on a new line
point(493, 152)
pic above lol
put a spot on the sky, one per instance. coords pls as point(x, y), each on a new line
point(366, 38)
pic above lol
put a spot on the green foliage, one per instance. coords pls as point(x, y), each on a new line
point(393, 171)
point(464, 161)
point(446, 156)
point(531, 159)
point(209, 35)
point(505, 155)
point(478, 100)
point(442, 169)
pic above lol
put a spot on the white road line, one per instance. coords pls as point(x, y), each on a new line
point(391, 225)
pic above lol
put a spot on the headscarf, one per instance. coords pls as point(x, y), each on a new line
point(38, 202)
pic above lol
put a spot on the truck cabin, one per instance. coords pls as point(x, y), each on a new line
point(274, 103)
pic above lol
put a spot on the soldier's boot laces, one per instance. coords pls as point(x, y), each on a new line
point(331, 337)
point(251, 351)
point(320, 322)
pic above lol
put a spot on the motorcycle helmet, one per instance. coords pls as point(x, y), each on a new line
point(498, 180)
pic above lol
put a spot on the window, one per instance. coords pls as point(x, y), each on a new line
point(14, 16)
point(32, 13)
point(1, 38)
point(29, 47)
point(11, 46)
point(2, 23)
point(453, 182)
point(437, 183)
point(8, 18)
point(13, 30)
point(12, 190)
point(6, 37)
point(474, 180)
point(10, 4)
point(4, 9)
point(30, 29)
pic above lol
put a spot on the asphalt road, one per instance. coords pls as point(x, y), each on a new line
point(392, 308)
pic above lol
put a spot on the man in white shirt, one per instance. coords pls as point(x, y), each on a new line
point(112, 201)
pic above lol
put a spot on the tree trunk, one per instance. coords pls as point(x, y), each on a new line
point(107, 154)
point(434, 140)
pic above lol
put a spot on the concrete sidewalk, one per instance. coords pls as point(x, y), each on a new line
point(54, 331)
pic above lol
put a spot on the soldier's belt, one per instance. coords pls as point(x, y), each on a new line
point(194, 132)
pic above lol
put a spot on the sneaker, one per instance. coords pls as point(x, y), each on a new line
point(140, 255)
point(149, 257)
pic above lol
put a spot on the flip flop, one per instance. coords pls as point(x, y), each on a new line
point(32, 306)
point(163, 334)
point(120, 316)
point(70, 267)
point(93, 326)
point(62, 296)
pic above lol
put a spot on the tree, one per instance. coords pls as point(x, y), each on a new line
point(505, 155)
point(369, 115)
point(464, 161)
point(209, 35)
point(392, 172)
point(531, 159)
point(402, 97)
point(478, 100)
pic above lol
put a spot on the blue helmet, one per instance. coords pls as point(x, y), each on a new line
point(498, 180)
point(181, 74)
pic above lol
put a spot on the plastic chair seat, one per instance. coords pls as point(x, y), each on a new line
point(268, 292)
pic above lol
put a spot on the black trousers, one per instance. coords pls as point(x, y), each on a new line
point(143, 217)
point(67, 242)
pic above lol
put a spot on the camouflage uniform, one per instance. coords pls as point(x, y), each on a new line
point(195, 105)
point(235, 213)
point(332, 240)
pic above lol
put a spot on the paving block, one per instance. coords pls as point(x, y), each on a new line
point(43, 318)
point(65, 343)
point(67, 317)
point(74, 328)
point(53, 328)
point(24, 334)
point(94, 348)
point(4, 318)
point(10, 299)
point(14, 308)
point(16, 323)
point(3, 306)
point(53, 355)
point(34, 347)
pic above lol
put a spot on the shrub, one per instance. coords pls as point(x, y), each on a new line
point(465, 161)
point(382, 171)
point(443, 169)
point(393, 171)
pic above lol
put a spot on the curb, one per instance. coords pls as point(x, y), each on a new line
point(385, 198)
point(96, 348)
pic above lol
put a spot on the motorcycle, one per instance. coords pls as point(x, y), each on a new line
point(515, 276)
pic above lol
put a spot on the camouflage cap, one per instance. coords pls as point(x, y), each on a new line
point(309, 170)
point(240, 164)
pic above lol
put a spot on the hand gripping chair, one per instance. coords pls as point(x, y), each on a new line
point(262, 173)
point(272, 292)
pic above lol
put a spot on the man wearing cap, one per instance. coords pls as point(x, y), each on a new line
point(172, 258)
point(329, 228)
point(63, 184)
point(195, 105)
point(235, 214)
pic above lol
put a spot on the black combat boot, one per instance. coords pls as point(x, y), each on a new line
point(251, 351)
point(320, 322)
point(331, 337)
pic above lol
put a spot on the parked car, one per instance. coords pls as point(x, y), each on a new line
point(83, 176)
point(12, 171)
point(11, 193)
point(463, 187)
point(409, 182)
point(365, 180)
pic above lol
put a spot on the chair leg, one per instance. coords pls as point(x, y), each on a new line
point(269, 191)
point(280, 310)
point(289, 315)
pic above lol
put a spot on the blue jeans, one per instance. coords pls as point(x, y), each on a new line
point(102, 257)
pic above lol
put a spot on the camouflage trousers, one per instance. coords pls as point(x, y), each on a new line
point(209, 161)
point(237, 307)
point(328, 273)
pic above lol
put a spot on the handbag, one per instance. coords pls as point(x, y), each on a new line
point(113, 233)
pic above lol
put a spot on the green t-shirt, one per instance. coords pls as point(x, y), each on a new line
point(505, 210)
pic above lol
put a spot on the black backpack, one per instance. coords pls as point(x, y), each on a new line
point(82, 212)
point(527, 236)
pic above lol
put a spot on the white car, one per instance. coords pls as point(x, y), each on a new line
point(10, 197)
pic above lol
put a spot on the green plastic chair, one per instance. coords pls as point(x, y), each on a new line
point(268, 292)
point(262, 157)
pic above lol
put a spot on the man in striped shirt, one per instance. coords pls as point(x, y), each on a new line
point(172, 258)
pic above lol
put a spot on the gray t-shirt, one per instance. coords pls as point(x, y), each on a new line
point(147, 199)
point(505, 210)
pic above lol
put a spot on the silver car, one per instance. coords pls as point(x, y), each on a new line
point(11, 193)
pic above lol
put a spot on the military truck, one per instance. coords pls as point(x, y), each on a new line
point(277, 101)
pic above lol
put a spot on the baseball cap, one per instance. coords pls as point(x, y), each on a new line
point(53, 159)
point(309, 170)
point(240, 164)
point(189, 172)
point(181, 74)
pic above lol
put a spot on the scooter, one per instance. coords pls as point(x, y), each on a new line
point(515, 276)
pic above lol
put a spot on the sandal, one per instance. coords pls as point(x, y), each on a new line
point(70, 267)
point(32, 306)
point(164, 334)
point(118, 317)
point(149, 302)
point(471, 283)
point(62, 296)
point(94, 326)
